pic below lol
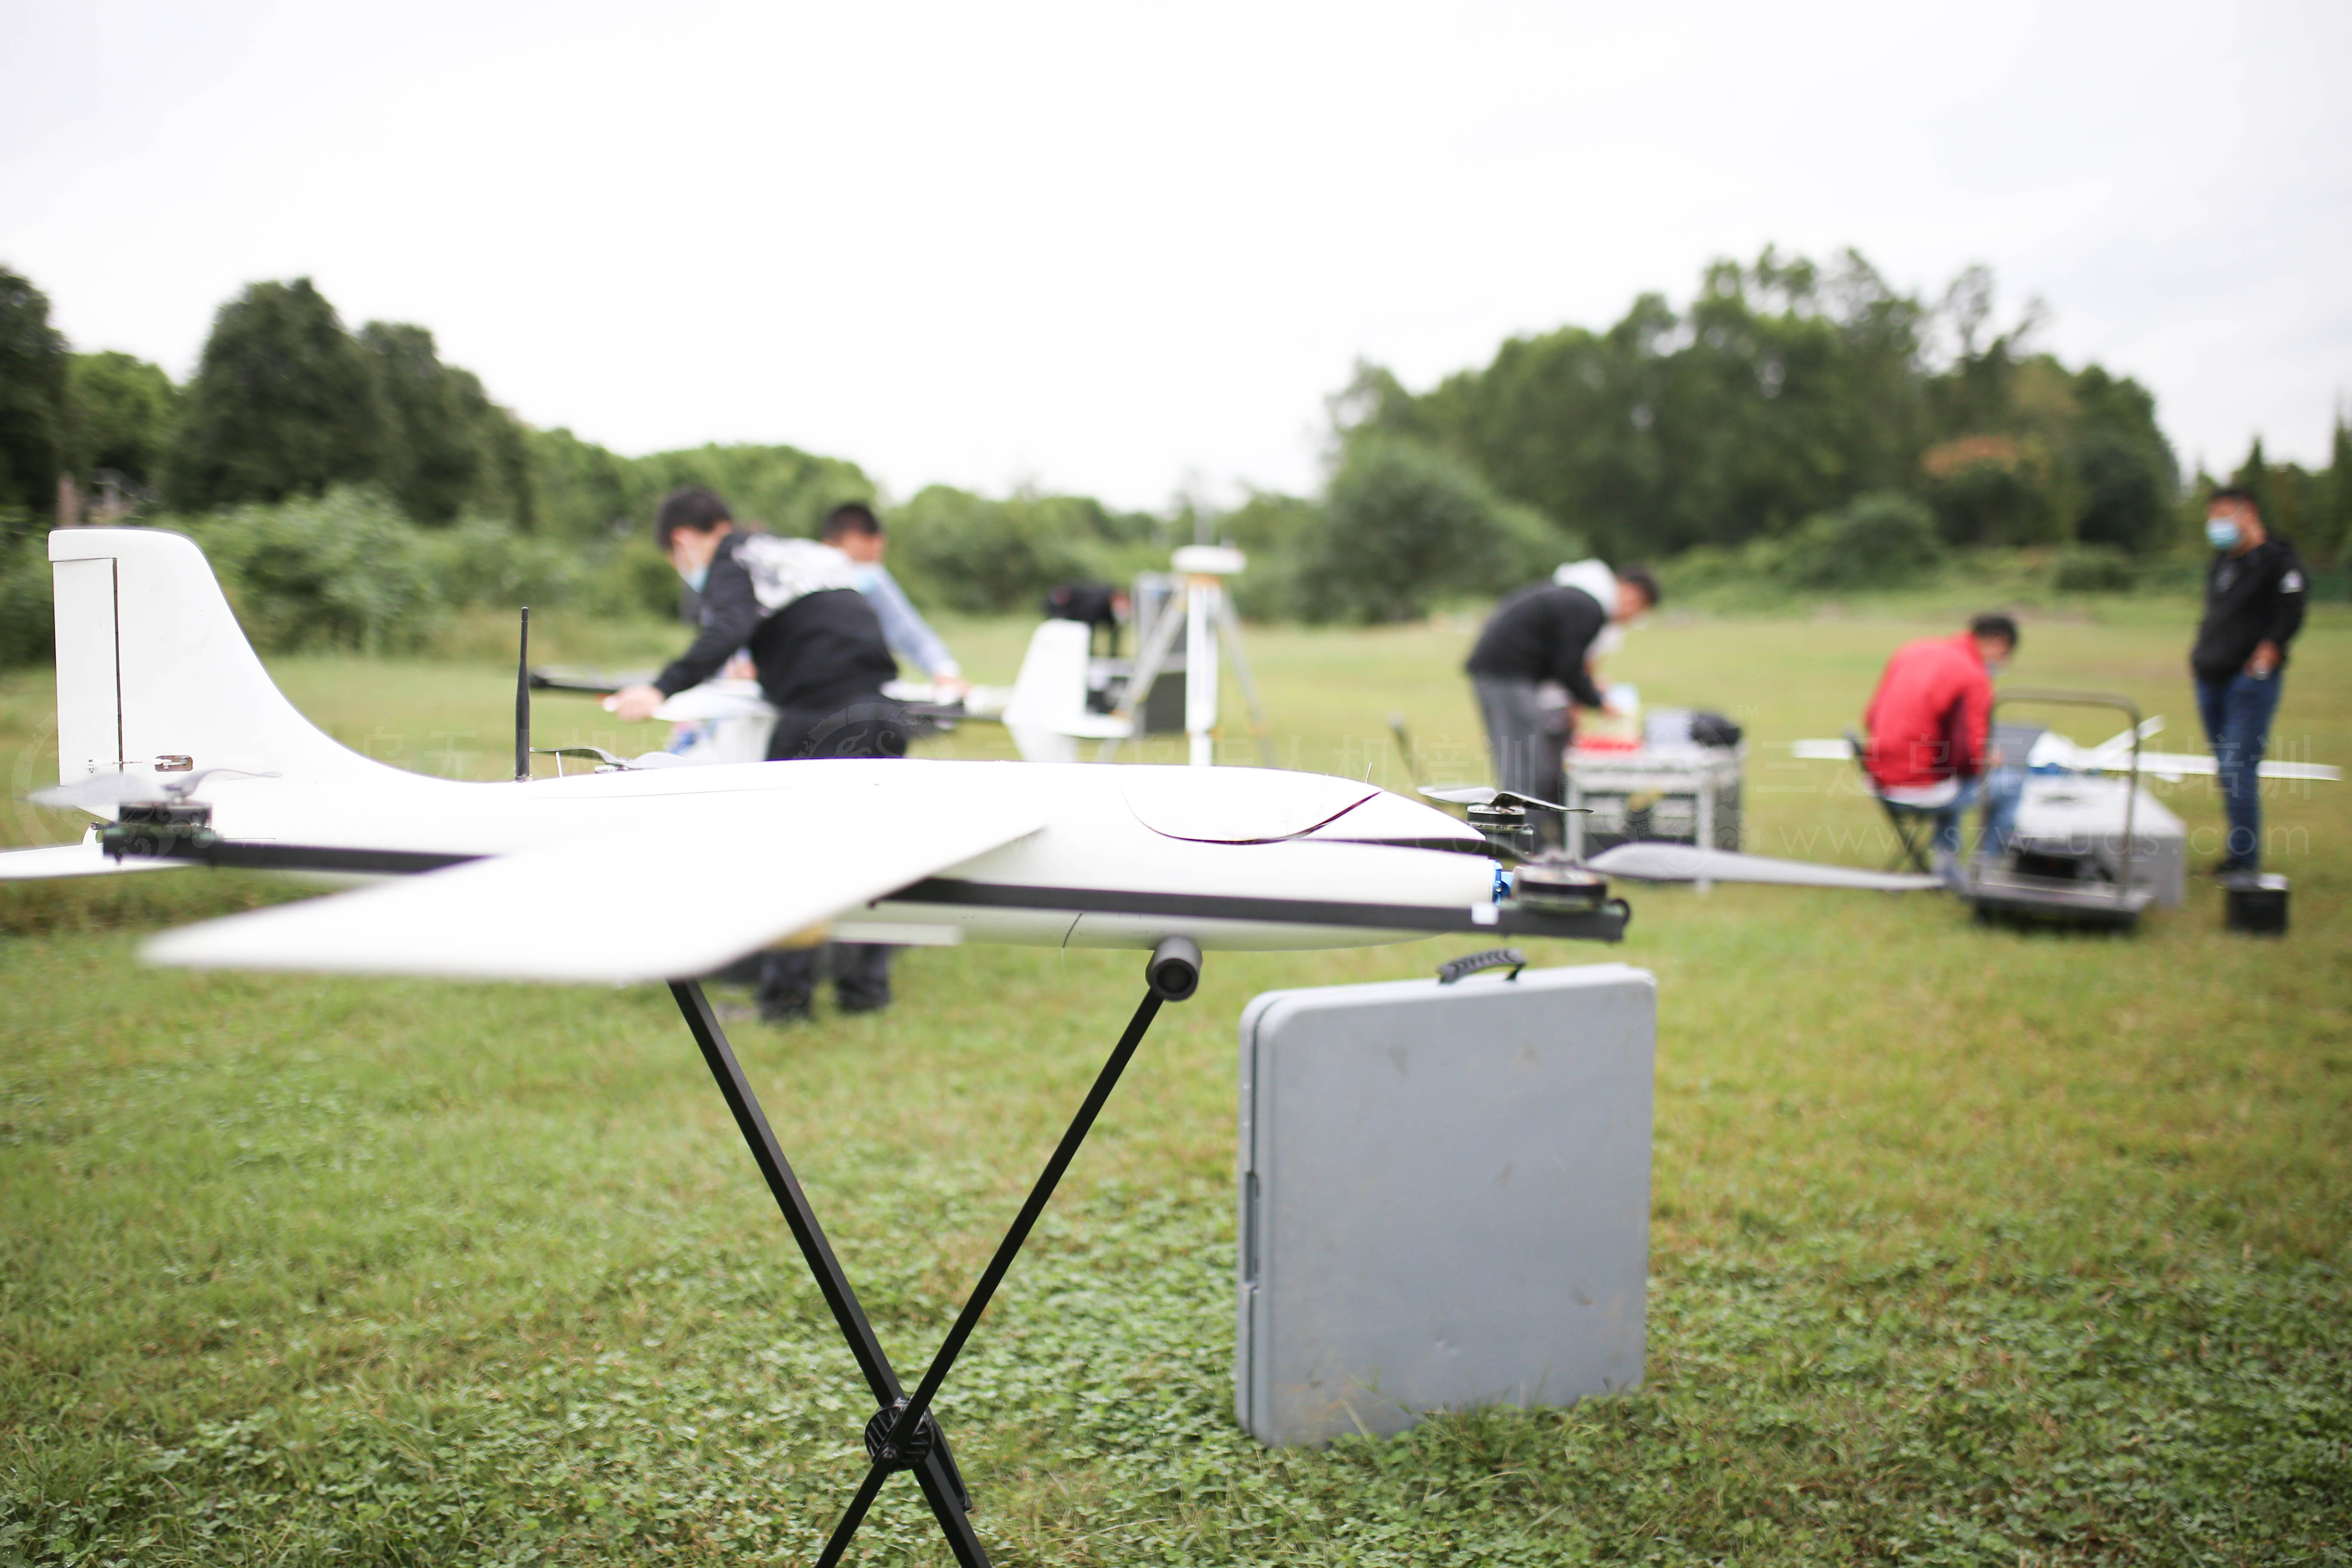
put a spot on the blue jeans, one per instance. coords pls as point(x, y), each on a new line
point(2237, 714)
point(1998, 790)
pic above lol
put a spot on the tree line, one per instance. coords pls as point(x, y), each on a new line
point(1806, 426)
point(1791, 413)
point(350, 485)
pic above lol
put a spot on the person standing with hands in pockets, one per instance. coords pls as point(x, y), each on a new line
point(2254, 594)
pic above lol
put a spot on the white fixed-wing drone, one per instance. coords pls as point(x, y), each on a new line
point(2053, 753)
point(170, 732)
point(168, 725)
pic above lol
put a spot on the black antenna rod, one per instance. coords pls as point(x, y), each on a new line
point(522, 703)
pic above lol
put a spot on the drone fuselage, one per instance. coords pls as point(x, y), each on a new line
point(1244, 835)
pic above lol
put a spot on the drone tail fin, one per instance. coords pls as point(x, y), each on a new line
point(154, 672)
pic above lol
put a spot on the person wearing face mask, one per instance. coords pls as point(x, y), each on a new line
point(2254, 594)
point(1930, 735)
point(818, 650)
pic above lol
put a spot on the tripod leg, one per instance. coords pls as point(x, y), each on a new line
point(1173, 974)
point(1231, 639)
point(1039, 1196)
point(1200, 660)
point(1148, 664)
point(938, 1476)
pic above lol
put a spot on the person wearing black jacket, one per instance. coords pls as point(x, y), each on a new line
point(793, 606)
point(818, 649)
point(1539, 636)
point(2254, 594)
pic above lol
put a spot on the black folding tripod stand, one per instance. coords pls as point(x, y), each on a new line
point(902, 1435)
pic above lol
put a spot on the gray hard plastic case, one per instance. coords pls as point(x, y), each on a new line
point(1444, 1197)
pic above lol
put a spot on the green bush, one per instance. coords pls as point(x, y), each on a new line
point(345, 571)
point(965, 552)
point(27, 633)
point(628, 580)
point(1405, 525)
point(481, 562)
point(349, 571)
point(2094, 569)
point(1882, 541)
point(1270, 528)
point(1707, 568)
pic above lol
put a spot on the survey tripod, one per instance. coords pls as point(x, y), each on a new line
point(1201, 612)
point(902, 1434)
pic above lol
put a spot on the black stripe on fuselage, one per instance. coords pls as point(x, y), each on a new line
point(1606, 923)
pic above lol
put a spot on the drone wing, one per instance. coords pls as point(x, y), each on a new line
point(2185, 764)
point(680, 896)
point(1644, 862)
point(84, 858)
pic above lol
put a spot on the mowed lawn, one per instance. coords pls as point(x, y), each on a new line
point(1971, 1244)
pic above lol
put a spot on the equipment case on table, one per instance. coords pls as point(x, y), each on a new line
point(1665, 794)
point(1444, 1197)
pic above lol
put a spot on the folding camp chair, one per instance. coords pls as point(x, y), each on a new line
point(1911, 813)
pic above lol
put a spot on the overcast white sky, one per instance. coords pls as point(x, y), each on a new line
point(1130, 250)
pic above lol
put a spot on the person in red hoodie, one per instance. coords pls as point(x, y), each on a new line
point(1930, 744)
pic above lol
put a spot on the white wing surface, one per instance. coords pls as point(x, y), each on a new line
point(1644, 862)
point(680, 897)
point(2113, 756)
point(82, 859)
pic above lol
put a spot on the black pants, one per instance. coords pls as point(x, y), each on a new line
point(874, 727)
point(861, 978)
point(1528, 738)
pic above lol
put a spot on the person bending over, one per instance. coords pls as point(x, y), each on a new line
point(1540, 636)
point(2255, 594)
point(1930, 735)
point(816, 646)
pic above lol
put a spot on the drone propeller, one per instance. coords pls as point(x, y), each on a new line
point(1651, 862)
point(1482, 795)
point(606, 763)
point(100, 791)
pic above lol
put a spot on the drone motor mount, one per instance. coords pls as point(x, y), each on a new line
point(160, 829)
point(1557, 884)
point(1506, 827)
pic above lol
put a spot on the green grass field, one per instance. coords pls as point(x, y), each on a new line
point(1971, 1244)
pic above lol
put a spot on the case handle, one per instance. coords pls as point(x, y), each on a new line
point(1456, 969)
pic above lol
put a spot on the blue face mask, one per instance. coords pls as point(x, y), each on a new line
point(697, 577)
point(2222, 533)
